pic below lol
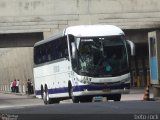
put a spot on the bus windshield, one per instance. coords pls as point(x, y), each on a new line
point(102, 56)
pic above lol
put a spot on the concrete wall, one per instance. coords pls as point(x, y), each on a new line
point(16, 63)
point(20, 39)
point(48, 16)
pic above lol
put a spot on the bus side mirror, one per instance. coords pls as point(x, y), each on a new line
point(132, 47)
point(73, 50)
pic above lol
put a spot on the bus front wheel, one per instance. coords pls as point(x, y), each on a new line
point(115, 97)
point(75, 99)
point(45, 97)
point(86, 99)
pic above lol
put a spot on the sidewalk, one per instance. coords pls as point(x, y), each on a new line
point(20, 94)
point(136, 90)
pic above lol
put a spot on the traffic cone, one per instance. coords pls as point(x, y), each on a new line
point(146, 94)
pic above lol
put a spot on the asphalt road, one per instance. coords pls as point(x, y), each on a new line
point(124, 107)
point(126, 110)
point(27, 107)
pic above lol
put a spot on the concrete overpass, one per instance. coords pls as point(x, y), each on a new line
point(49, 16)
point(23, 22)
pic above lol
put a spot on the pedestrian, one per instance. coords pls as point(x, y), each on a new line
point(29, 86)
point(17, 86)
point(14, 85)
point(32, 90)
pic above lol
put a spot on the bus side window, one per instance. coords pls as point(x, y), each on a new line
point(36, 55)
point(56, 52)
point(64, 48)
point(48, 52)
point(49, 55)
point(53, 50)
point(38, 59)
point(43, 55)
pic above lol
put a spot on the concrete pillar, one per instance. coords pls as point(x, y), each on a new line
point(8, 88)
point(3, 88)
point(23, 90)
point(0, 87)
point(20, 88)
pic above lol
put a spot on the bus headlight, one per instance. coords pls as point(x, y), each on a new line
point(84, 79)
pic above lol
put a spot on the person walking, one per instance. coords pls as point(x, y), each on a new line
point(17, 86)
point(14, 85)
point(32, 90)
point(29, 86)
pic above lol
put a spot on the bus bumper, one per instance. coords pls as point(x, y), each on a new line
point(102, 90)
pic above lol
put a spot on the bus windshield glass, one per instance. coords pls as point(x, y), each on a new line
point(101, 56)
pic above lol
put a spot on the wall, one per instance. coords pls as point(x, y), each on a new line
point(16, 63)
point(48, 16)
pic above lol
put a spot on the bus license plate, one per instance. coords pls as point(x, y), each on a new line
point(106, 90)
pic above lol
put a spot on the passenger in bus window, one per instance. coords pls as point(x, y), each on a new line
point(40, 57)
point(48, 52)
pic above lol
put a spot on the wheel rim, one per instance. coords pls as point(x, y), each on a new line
point(71, 92)
point(74, 99)
point(42, 92)
point(44, 97)
point(72, 96)
point(47, 96)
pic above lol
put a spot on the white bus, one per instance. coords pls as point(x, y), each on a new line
point(82, 62)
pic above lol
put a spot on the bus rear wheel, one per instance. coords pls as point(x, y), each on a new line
point(46, 98)
point(53, 101)
point(42, 91)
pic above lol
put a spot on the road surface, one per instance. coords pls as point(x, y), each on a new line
point(132, 106)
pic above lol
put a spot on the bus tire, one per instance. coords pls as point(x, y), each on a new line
point(45, 95)
point(85, 99)
point(117, 97)
point(75, 99)
point(42, 91)
point(46, 98)
point(53, 101)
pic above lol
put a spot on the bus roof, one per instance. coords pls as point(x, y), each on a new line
point(86, 31)
point(93, 30)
